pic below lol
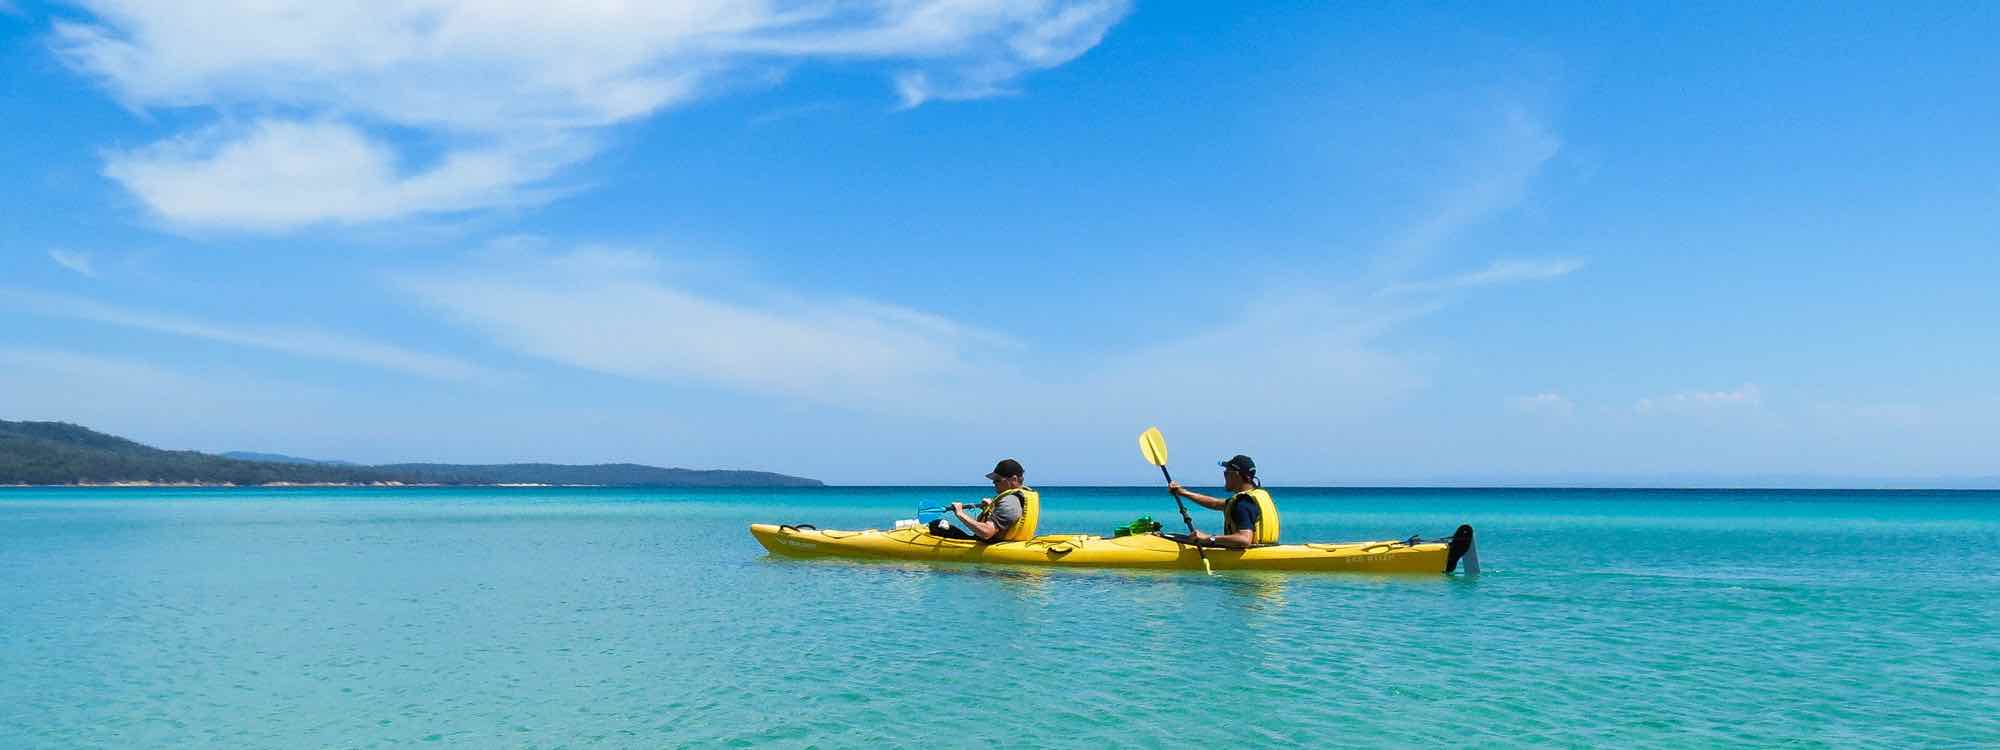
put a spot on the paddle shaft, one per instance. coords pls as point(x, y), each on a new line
point(1185, 518)
point(947, 508)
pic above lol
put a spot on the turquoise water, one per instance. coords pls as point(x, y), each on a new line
point(559, 617)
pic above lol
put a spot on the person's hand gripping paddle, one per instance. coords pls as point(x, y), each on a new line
point(1154, 445)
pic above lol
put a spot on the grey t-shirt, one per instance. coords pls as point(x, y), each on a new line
point(1006, 512)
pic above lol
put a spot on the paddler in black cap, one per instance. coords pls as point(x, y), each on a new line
point(1009, 516)
point(1249, 517)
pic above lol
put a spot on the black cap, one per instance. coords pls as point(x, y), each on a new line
point(1006, 468)
point(1241, 464)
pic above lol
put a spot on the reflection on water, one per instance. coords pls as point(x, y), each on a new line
point(1262, 589)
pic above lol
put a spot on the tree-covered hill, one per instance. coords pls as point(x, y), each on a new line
point(63, 453)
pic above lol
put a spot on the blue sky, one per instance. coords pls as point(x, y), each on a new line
point(891, 242)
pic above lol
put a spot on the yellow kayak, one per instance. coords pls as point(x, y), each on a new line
point(1137, 551)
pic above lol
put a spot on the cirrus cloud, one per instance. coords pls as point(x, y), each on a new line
point(1551, 404)
point(1746, 396)
point(297, 341)
point(73, 260)
point(611, 311)
point(1496, 272)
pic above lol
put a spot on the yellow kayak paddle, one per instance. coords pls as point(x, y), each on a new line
point(1154, 445)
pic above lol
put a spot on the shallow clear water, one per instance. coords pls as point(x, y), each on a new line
point(560, 617)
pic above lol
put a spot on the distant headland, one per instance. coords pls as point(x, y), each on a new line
point(60, 453)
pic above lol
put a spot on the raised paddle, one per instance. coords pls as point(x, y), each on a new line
point(1154, 445)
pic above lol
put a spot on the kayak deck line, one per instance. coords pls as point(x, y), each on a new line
point(1411, 555)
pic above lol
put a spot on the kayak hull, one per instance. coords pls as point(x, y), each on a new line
point(1090, 551)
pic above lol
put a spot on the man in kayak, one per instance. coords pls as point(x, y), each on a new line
point(1249, 517)
point(1009, 516)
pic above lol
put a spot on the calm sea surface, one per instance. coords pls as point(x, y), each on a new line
point(623, 618)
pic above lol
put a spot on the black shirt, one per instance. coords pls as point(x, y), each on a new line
point(1243, 514)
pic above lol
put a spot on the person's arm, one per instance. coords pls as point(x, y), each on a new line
point(1001, 515)
point(1199, 499)
point(981, 529)
point(1244, 518)
point(1242, 539)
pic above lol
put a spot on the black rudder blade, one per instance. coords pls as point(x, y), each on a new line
point(1461, 543)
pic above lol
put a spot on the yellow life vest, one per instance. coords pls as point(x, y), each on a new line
point(1267, 516)
point(1031, 513)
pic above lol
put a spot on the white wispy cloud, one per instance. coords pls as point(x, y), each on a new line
point(620, 312)
point(276, 174)
point(509, 92)
point(1048, 35)
point(609, 311)
point(1300, 358)
point(1492, 181)
point(1746, 396)
point(1497, 272)
point(1312, 352)
point(1551, 403)
point(298, 341)
point(74, 260)
point(1474, 187)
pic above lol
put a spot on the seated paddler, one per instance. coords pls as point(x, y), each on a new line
point(1009, 516)
point(1249, 517)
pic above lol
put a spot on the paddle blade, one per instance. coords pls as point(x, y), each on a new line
point(1154, 445)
